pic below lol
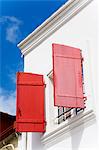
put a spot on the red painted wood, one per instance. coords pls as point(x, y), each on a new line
point(67, 76)
point(30, 103)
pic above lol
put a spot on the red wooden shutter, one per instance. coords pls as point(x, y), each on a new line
point(67, 76)
point(30, 103)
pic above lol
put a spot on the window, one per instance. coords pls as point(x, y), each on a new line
point(64, 113)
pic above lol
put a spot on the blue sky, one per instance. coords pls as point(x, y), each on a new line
point(18, 18)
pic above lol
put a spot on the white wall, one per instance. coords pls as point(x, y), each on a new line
point(81, 138)
point(81, 32)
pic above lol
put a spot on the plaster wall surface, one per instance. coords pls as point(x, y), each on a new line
point(81, 32)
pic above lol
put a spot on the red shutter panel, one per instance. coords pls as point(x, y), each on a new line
point(30, 103)
point(67, 76)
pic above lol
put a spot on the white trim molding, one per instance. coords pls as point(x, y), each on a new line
point(52, 24)
point(66, 128)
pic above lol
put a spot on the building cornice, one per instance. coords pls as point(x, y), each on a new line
point(52, 24)
point(66, 128)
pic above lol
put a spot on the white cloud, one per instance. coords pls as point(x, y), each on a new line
point(10, 19)
point(13, 34)
point(13, 24)
point(7, 101)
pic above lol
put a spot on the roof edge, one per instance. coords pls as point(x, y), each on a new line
point(53, 23)
point(45, 22)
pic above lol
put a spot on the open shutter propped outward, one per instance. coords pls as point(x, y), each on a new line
point(67, 76)
point(30, 115)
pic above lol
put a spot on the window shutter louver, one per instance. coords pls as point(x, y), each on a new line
point(67, 76)
point(30, 115)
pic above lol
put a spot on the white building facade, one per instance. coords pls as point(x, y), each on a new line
point(75, 24)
